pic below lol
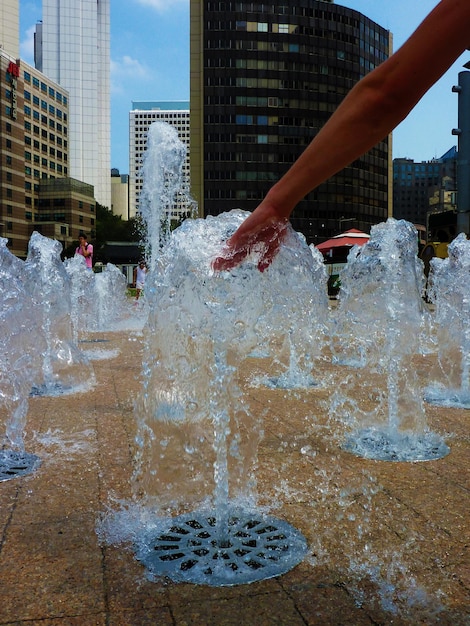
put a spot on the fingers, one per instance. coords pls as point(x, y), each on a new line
point(266, 243)
point(271, 247)
point(230, 258)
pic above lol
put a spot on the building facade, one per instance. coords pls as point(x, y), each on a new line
point(264, 80)
point(66, 208)
point(34, 144)
point(72, 47)
point(423, 187)
point(10, 27)
point(120, 194)
point(142, 115)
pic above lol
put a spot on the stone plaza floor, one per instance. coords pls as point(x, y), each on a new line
point(388, 543)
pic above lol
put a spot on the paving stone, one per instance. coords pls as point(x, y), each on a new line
point(388, 543)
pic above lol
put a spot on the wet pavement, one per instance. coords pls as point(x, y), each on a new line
point(388, 542)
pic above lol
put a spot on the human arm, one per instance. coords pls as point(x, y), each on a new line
point(85, 249)
point(371, 110)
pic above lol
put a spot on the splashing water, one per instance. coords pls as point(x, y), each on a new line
point(162, 173)
point(197, 439)
point(82, 283)
point(64, 368)
point(297, 315)
point(450, 291)
point(21, 342)
point(202, 327)
point(381, 312)
point(98, 301)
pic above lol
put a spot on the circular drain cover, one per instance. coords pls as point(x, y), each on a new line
point(392, 446)
point(189, 548)
point(14, 463)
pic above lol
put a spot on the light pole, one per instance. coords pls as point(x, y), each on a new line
point(463, 158)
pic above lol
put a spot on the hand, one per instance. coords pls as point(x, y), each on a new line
point(262, 232)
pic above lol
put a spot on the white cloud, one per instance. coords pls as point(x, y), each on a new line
point(130, 66)
point(162, 5)
point(27, 46)
point(125, 69)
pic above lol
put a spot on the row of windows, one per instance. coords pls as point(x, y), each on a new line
point(284, 9)
point(45, 149)
point(37, 116)
point(169, 115)
point(52, 138)
point(270, 83)
point(264, 101)
point(52, 124)
point(55, 167)
point(418, 168)
point(53, 93)
point(311, 50)
point(45, 106)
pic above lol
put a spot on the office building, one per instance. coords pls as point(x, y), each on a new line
point(120, 194)
point(72, 47)
point(10, 27)
point(264, 79)
point(34, 143)
point(421, 187)
point(142, 115)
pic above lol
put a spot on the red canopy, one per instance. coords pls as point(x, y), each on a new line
point(349, 238)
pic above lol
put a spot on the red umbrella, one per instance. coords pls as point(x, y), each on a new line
point(347, 239)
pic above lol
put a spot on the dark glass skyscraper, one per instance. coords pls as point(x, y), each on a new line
point(265, 77)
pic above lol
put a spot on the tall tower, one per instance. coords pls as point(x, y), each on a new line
point(73, 48)
point(265, 77)
point(10, 27)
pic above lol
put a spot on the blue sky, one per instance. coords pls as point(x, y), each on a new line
point(150, 61)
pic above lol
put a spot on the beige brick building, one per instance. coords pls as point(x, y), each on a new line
point(33, 160)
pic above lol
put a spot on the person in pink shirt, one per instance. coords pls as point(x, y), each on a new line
point(85, 249)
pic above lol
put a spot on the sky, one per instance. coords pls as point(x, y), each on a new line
point(150, 61)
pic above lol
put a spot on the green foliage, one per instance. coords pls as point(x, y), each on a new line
point(110, 227)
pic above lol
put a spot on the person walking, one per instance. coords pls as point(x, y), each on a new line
point(140, 274)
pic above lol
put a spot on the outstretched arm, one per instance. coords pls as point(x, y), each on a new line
point(371, 110)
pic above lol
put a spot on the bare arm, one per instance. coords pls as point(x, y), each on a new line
point(371, 110)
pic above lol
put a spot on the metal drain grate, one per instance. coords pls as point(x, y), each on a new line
point(93, 341)
point(254, 547)
point(385, 446)
point(14, 463)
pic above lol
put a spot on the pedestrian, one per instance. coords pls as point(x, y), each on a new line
point(85, 249)
point(140, 274)
point(371, 110)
